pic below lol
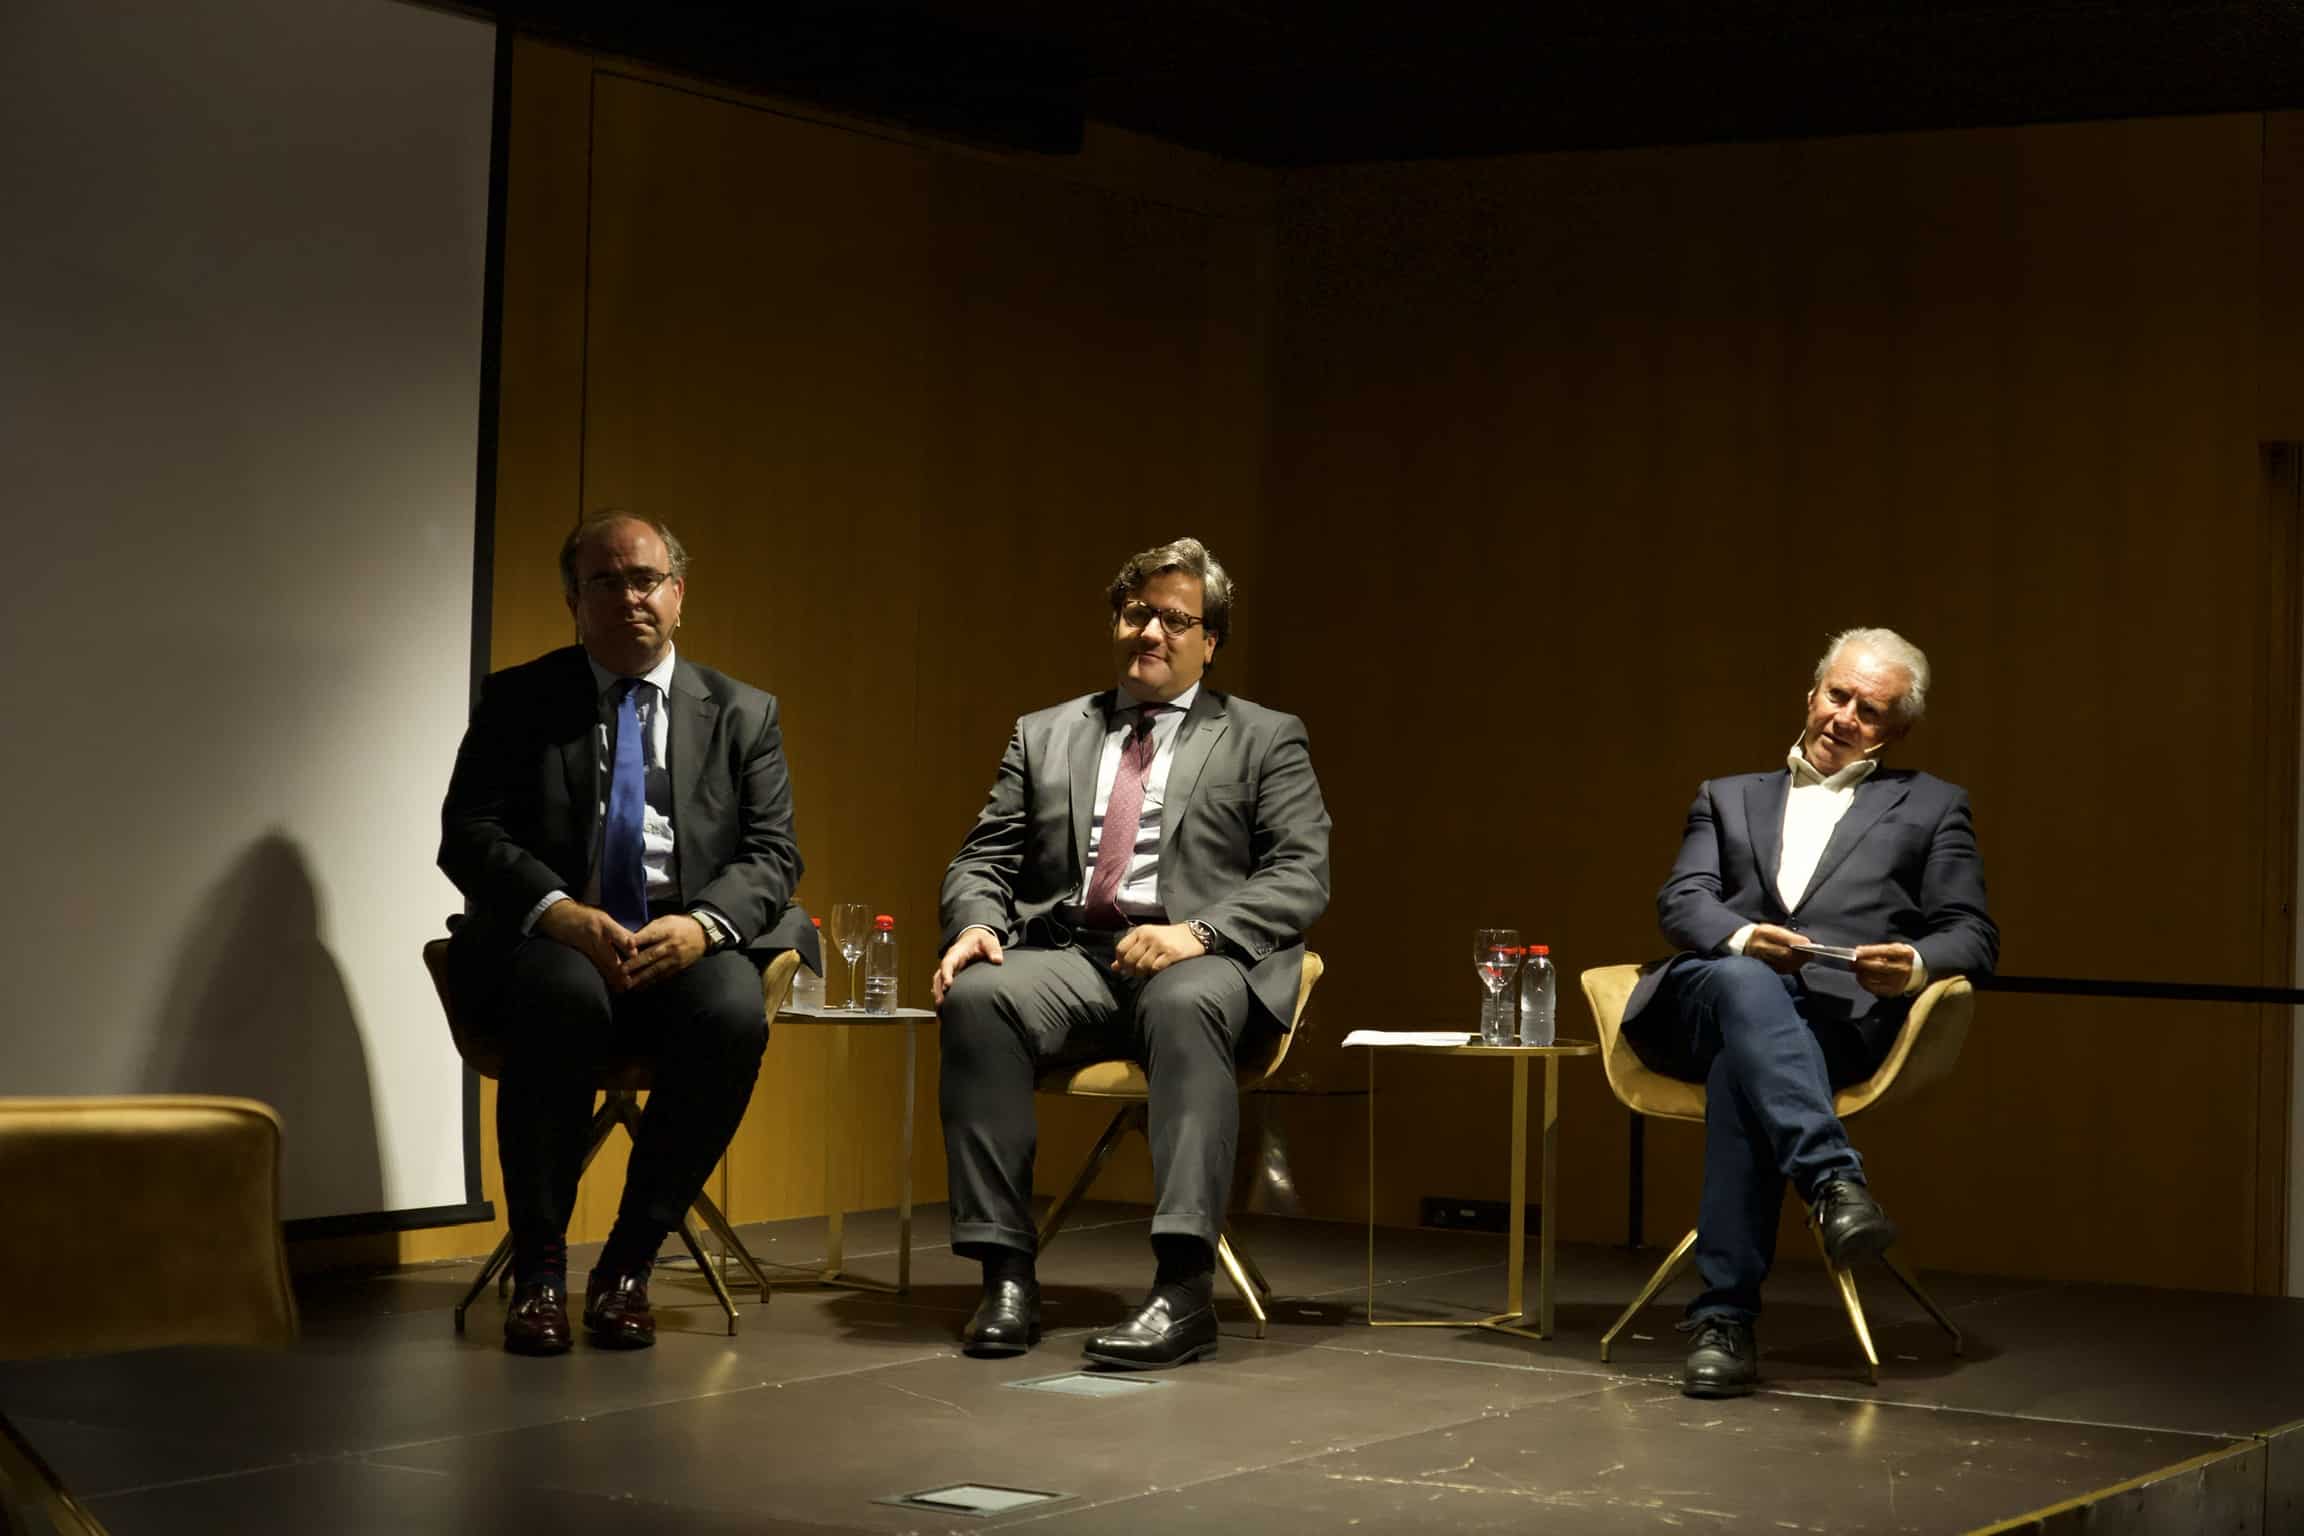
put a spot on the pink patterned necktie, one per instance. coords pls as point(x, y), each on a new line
point(1123, 813)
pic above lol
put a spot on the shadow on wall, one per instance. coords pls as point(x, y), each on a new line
point(257, 1007)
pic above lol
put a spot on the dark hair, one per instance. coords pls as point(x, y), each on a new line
point(1191, 557)
point(593, 525)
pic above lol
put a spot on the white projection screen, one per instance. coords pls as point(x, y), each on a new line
point(243, 272)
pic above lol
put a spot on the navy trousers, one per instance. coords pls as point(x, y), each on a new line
point(1768, 1061)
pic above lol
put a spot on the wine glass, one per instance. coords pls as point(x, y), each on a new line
point(851, 923)
point(1496, 956)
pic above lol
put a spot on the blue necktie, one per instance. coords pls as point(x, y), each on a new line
point(623, 882)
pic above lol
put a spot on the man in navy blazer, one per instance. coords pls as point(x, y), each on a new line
point(1830, 850)
point(1137, 885)
point(571, 950)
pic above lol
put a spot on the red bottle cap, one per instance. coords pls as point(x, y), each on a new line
point(883, 921)
point(1540, 949)
point(815, 922)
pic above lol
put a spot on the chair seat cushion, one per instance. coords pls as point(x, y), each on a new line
point(1097, 1080)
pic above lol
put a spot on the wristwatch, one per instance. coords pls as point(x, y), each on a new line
point(716, 934)
point(1205, 934)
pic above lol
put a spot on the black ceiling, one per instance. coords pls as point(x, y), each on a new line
point(1305, 82)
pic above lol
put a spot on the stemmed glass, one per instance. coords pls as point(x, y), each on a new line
point(1496, 956)
point(851, 923)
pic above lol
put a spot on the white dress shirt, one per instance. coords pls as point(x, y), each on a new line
point(1813, 807)
point(1139, 894)
point(658, 857)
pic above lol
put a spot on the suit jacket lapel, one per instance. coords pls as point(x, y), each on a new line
point(1204, 725)
point(1874, 799)
point(1764, 818)
point(1084, 751)
point(694, 715)
point(580, 756)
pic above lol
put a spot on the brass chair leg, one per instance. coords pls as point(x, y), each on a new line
point(730, 1242)
point(499, 1263)
point(32, 1496)
point(1255, 1275)
point(1911, 1284)
point(1673, 1263)
point(1240, 1281)
point(711, 1275)
point(1130, 1118)
point(1845, 1280)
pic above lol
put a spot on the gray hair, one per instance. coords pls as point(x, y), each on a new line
point(1893, 649)
point(594, 524)
point(1192, 558)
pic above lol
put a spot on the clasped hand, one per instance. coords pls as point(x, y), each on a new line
point(1884, 970)
point(626, 961)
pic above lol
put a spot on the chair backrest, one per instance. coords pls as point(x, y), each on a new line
point(140, 1222)
point(776, 981)
point(1922, 1055)
point(1924, 1052)
point(1607, 988)
point(482, 1053)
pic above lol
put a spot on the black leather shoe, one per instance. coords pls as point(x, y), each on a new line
point(616, 1311)
point(538, 1321)
point(1007, 1320)
point(1852, 1222)
point(1158, 1336)
point(1723, 1362)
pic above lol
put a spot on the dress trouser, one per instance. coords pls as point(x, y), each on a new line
point(1769, 1059)
point(1002, 1024)
point(704, 1032)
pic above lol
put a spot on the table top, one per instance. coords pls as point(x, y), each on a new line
point(1557, 1048)
point(820, 1015)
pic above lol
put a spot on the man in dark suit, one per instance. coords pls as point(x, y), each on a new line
point(1137, 885)
point(1831, 850)
point(620, 823)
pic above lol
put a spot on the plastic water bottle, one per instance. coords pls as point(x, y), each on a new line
point(1538, 995)
point(880, 966)
point(808, 985)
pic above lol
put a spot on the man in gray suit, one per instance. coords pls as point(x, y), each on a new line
point(1137, 885)
point(1831, 850)
point(620, 823)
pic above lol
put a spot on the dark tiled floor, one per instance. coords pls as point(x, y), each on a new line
point(384, 1419)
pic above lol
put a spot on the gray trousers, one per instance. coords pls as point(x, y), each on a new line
point(1003, 1024)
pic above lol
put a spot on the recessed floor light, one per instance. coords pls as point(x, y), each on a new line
point(1083, 1384)
point(972, 1499)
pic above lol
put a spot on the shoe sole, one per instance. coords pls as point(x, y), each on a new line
point(977, 1351)
point(620, 1341)
point(1863, 1245)
point(1196, 1352)
point(1708, 1391)
point(538, 1351)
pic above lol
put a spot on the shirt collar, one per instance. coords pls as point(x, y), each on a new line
point(1804, 773)
point(604, 681)
point(1127, 707)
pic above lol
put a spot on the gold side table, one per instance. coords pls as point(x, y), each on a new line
point(832, 1271)
point(1513, 1318)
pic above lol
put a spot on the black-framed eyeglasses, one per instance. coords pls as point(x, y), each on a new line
point(641, 583)
point(1174, 620)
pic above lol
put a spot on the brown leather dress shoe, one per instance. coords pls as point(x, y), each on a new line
point(616, 1310)
point(538, 1321)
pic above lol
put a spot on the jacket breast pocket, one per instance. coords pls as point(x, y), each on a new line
point(1225, 794)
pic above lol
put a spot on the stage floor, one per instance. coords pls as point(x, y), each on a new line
point(384, 1420)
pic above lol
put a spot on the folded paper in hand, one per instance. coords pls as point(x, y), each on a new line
point(1831, 955)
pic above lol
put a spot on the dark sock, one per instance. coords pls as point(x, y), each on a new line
point(1187, 1267)
point(540, 1259)
point(1002, 1263)
point(630, 1249)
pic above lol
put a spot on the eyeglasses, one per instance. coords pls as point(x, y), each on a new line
point(1174, 620)
point(635, 584)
